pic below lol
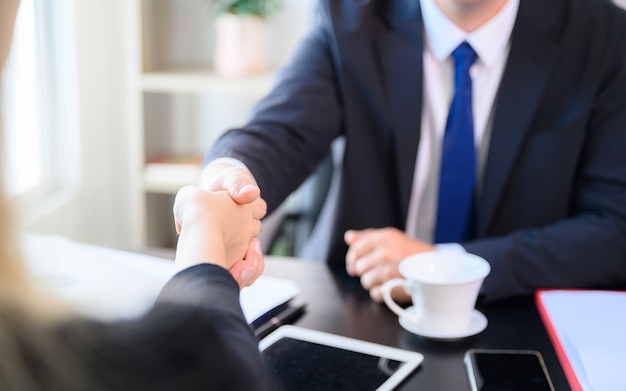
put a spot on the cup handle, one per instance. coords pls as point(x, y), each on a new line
point(393, 306)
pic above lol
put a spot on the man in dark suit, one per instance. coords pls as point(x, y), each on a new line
point(549, 122)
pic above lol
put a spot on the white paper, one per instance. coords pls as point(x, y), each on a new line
point(591, 326)
point(266, 293)
point(112, 284)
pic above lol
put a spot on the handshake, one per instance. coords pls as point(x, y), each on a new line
point(218, 222)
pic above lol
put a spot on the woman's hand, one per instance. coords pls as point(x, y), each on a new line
point(213, 228)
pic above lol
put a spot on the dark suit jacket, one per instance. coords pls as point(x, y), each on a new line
point(195, 338)
point(552, 210)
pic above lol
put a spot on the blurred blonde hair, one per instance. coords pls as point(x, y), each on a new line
point(27, 316)
point(16, 287)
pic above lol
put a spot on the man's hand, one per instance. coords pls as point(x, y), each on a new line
point(240, 184)
point(238, 181)
point(374, 256)
point(251, 267)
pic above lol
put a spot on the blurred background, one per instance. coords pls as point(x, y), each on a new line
point(110, 104)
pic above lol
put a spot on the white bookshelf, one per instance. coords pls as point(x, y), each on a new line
point(184, 106)
point(199, 81)
point(167, 178)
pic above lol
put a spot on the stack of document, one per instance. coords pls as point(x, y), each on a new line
point(111, 284)
point(588, 331)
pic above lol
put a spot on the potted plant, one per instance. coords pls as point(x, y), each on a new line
point(240, 35)
point(261, 8)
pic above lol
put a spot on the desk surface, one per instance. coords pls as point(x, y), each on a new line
point(337, 304)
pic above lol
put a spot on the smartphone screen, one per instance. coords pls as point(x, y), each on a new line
point(507, 370)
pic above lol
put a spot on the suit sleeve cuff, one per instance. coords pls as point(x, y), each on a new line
point(204, 285)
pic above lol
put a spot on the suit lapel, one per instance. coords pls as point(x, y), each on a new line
point(530, 62)
point(401, 48)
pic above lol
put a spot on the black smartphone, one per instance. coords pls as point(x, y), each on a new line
point(507, 370)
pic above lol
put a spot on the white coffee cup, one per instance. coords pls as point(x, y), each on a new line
point(444, 287)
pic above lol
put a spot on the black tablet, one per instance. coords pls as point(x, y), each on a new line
point(306, 360)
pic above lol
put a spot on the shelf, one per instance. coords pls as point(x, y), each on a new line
point(202, 81)
point(183, 105)
point(165, 178)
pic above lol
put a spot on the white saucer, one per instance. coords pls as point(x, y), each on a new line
point(478, 323)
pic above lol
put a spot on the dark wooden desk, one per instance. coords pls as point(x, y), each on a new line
point(338, 304)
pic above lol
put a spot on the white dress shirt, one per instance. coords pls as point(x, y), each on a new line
point(492, 43)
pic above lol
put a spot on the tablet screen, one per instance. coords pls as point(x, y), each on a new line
point(307, 360)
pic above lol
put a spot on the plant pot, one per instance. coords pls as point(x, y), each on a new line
point(239, 45)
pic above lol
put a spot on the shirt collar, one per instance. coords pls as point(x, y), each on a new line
point(489, 41)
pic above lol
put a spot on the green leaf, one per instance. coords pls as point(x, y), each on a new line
point(247, 7)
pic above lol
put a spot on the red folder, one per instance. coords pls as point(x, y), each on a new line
point(556, 342)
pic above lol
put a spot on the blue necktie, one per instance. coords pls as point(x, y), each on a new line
point(458, 157)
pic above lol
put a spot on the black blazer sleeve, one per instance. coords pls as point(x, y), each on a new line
point(291, 129)
point(195, 338)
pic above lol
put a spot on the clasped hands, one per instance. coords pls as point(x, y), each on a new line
point(215, 227)
point(373, 255)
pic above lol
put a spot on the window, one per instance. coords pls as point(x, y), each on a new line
point(39, 105)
